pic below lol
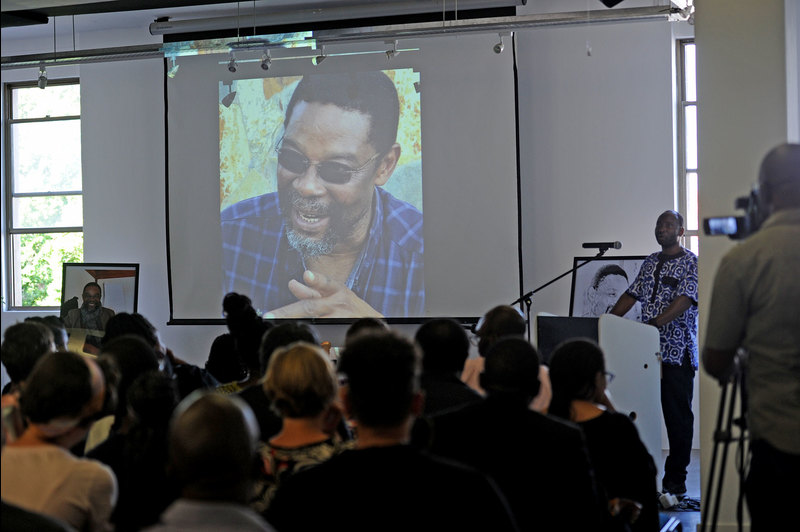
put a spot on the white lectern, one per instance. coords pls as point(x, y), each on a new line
point(632, 352)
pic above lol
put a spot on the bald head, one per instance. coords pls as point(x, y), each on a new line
point(779, 178)
point(212, 444)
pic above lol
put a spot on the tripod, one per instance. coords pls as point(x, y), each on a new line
point(724, 436)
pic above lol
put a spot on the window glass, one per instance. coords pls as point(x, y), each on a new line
point(54, 101)
point(44, 190)
point(48, 211)
point(39, 257)
point(46, 156)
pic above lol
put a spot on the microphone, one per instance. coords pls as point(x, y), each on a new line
point(603, 245)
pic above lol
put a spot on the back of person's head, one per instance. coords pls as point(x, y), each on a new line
point(239, 312)
point(131, 323)
point(444, 344)
point(779, 177)
point(501, 321)
point(151, 398)
point(511, 369)
point(56, 326)
point(246, 327)
point(300, 382)
point(574, 366)
point(23, 345)
point(370, 92)
point(63, 390)
point(382, 372)
point(283, 335)
point(212, 446)
point(132, 356)
point(364, 326)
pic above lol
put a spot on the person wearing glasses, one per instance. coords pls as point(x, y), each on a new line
point(624, 468)
point(331, 242)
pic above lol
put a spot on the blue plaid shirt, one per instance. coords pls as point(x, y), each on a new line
point(259, 262)
point(661, 279)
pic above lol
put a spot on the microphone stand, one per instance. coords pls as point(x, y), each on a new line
point(527, 299)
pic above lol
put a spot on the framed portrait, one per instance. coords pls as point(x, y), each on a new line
point(91, 294)
point(597, 285)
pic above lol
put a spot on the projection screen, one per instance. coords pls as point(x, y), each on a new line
point(353, 186)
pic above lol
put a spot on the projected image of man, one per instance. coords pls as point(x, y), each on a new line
point(331, 242)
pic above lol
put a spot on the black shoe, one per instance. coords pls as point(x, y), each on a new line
point(676, 488)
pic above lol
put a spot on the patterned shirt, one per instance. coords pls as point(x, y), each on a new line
point(661, 279)
point(259, 261)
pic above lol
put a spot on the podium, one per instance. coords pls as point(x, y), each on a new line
point(632, 353)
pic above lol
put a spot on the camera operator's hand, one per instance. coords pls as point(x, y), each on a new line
point(725, 364)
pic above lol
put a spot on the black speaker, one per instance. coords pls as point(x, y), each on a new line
point(610, 3)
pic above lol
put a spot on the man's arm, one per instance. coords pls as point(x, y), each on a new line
point(623, 304)
point(673, 310)
point(322, 297)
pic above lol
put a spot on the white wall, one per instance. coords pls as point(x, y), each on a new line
point(743, 112)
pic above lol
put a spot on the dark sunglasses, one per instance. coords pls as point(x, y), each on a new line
point(329, 171)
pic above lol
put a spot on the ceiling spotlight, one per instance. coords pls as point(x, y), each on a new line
point(232, 64)
point(392, 51)
point(173, 67)
point(42, 83)
point(266, 61)
point(499, 47)
point(321, 57)
point(227, 100)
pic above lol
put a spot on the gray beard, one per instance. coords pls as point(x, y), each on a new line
point(310, 247)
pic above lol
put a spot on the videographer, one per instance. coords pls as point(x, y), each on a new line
point(755, 305)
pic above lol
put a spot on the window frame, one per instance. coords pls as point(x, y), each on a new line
point(682, 192)
point(9, 231)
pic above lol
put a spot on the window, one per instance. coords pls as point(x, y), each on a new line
point(43, 195)
point(687, 143)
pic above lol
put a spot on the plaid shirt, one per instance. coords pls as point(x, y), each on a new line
point(259, 262)
point(661, 279)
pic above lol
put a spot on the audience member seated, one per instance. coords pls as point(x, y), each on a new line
point(302, 388)
point(188, 377)
point(212, 450)
point(498, 323)
point(279, 336)
point(13, 517)
point(445, 348)
point(623, 466)
point(130, 356)
point(384, 484)
point(137, 453)
point(57, 327)
point(364, 326)
point(234, 355)
point(23, 345)
point(61, 398)
point(539, 463)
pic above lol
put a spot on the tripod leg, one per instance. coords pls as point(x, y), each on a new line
point(710, 485)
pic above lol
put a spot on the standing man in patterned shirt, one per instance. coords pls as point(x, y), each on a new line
point(667, 288)
point(331, 242)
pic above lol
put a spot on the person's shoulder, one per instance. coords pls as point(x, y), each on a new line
point(402, 220)
point(250, 207)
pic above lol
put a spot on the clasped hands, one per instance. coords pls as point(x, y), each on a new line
point(322, 297)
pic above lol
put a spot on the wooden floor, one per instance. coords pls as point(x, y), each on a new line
point(689, 520)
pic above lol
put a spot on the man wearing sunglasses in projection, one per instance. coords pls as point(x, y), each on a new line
point(331, 242)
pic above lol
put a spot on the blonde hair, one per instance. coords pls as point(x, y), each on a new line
point(299, 380)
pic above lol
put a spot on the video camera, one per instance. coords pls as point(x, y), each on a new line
point(738, 227)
